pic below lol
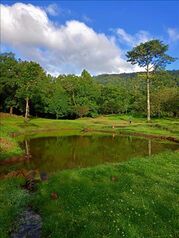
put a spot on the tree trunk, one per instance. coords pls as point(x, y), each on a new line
point(27, 109)
point(73, 98)
point(11, 110)
point(148, 95)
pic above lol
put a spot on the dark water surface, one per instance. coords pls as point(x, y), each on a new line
point(64, 152)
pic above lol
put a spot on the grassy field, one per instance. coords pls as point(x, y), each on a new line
point(133, 199)
point(138, 198)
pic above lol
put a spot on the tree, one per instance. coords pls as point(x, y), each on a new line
point(86, 75)
point(150, 55)
point(83, 93)
point(69, 83)
point(8, 80)
point(57, 101)
point(31, 74)
point(110, 100)
point(170, 102)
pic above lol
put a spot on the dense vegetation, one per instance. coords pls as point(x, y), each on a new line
point(26, 88)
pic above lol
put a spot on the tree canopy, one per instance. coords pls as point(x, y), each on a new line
point(152, 56)
point(25, 84)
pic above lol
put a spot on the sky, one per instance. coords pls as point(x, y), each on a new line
point(69, 36)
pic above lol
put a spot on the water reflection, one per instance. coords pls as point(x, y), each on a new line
point(58, 153)
point(150, 147)
point(27, 150)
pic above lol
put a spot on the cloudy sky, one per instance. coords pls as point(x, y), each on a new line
point(68, 36)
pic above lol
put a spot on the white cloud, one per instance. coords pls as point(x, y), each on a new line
point(173, 34)
point(124, 36)
point(52, 9)
point(64, 49)
point(86, 19)
point(132, 40)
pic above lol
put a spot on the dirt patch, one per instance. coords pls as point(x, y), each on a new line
point(6, 144)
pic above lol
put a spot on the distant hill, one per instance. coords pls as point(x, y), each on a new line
point(113, 78)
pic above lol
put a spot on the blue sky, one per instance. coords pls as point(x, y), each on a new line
point(67, 36)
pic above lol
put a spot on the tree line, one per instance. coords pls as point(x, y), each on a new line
point(25, 88)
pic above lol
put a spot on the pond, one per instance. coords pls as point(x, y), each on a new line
point(50, 154)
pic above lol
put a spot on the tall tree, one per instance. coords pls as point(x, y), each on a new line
point(9, 73)
point(57, 100)
point(29, 82)
point(152, 56)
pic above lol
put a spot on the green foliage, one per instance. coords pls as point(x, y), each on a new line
point(30, 81)
point(151, 53)
point(151, 56)
point(71, 96)
point(57, 101)
point(83, 93)
point(111, 100)
point(9, 73)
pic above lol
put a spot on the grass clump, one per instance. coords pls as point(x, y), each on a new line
point(138, 198)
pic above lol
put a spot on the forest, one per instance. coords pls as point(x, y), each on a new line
point(25, 87)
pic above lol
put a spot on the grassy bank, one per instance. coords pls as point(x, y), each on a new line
point(14, 125)
point(138, 198)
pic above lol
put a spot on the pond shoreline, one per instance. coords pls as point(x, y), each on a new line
point(19, 128)
point(88, 130)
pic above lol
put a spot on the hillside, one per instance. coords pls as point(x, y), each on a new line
point(113, 78)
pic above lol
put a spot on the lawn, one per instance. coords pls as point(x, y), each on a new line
point(138, 198)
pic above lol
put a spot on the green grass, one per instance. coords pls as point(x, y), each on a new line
point(142, 202)
point(12, 201)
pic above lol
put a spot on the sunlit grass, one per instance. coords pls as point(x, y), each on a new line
point(141, 200)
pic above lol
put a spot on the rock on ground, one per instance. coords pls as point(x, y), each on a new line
point(30, 224)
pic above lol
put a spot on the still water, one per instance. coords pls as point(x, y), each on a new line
point(64, 152)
